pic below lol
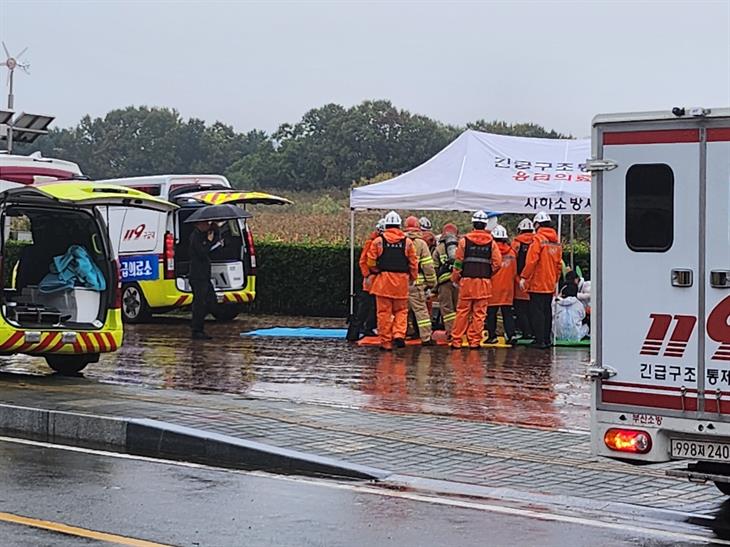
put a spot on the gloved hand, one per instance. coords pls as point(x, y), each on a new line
point(523, 283)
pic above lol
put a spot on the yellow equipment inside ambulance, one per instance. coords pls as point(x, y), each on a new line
point(64, 300)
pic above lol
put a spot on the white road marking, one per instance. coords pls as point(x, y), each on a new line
point(412, 496)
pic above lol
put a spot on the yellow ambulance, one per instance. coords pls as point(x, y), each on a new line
point(63, 299)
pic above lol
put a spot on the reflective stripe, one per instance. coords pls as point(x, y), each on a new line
point(423, 322)
point(449, 316)
point(426, 260)
point(443, 278)
point(477, 260)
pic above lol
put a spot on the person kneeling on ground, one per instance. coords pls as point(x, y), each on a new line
point(568, 315)
point(392, 259)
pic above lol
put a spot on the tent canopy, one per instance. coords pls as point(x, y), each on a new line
point(491, 172)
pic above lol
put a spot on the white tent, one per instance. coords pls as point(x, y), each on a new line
point(489, 172)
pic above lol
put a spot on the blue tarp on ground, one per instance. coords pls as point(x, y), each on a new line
point(298, 332)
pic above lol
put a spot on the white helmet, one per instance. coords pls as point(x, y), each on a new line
point(542, 216)
point(480, 216)
point(425, 223)
point(525, 225)
point(492, 223)
point(392, 219)
point(499, 232)
point(380, 225)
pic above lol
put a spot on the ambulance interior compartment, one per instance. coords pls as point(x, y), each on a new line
point(230, 263)
point(53, 232)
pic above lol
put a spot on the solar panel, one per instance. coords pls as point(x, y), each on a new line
point(5, 116)
point(28, 127)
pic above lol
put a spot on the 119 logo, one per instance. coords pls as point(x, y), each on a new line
point(718, 330)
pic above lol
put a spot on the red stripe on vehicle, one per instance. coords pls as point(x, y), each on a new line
point(100, 340)
point(47, 341)
point(654, 400)
point(718, 134)
point(14, 339)
point(711, 405)
point(87, 342)
point(180, 301)
point(648, 352)
point(111, 341)
point(646, 386)
point(58, 346)
point(25, 347)
point(652, 137)
point(239, 298)
point(77, 346)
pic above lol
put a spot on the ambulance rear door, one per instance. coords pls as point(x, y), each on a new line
point(716, 282)
point(646, 210)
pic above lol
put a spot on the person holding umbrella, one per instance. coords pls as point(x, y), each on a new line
point(203, 240)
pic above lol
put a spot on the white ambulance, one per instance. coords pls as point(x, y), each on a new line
point(153, 246)
point(661, 290)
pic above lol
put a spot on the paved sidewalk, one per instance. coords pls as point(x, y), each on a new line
point(519, 458)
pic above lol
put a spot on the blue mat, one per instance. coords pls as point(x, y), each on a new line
point(298, 332)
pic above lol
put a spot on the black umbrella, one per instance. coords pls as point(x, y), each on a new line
point(212, 213)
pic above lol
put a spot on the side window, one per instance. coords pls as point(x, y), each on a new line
point(650, 208)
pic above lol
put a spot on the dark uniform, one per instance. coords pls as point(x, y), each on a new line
point(199, 277)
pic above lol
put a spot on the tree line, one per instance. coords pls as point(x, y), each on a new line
point(331, 146)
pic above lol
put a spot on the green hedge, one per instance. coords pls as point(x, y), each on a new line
point(300, 279)
point(314, 279)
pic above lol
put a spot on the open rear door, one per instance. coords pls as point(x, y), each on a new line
point(219, 197)
point(647, 297)
point(89, 194)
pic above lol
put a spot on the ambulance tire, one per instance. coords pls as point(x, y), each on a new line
point(225, 313)
point(723, 487)
point(69, 365)
point(134, 305)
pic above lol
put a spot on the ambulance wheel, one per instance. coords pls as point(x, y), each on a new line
point(68, 365)
point(134, 305)
point(723, 487)
point(225, 313)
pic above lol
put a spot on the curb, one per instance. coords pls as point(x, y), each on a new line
point(158, 439)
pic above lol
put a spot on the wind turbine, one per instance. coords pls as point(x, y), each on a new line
point(11, 63)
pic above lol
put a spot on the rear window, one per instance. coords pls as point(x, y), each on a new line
point(650, 208)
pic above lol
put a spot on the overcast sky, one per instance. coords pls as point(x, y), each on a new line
point(256, 65)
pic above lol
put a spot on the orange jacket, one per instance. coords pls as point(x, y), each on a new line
point(475, 288)
point(503, 282)
point(526, 237)
point(367, 280)
point(542, 267)
point(429, 238)
point(391, 284)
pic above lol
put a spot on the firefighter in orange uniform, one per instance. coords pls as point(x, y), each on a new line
point(392, 259)
point(540, 277)
point(364, 320)
point(503, 290)
point(417, 298)
point(477, 259)
point(521, 244)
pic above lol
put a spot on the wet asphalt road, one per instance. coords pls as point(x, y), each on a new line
point(182, 505)
point(515, 386)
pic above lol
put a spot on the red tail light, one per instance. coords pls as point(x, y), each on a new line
point(117, 280)
point(251, 251)
point(628, 440)
point(169, 256)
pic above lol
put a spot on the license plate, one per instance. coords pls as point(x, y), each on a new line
point(700, 450)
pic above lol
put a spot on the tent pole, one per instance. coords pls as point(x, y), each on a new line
point(352, 261)
point(572, 242)
point(560, 228)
